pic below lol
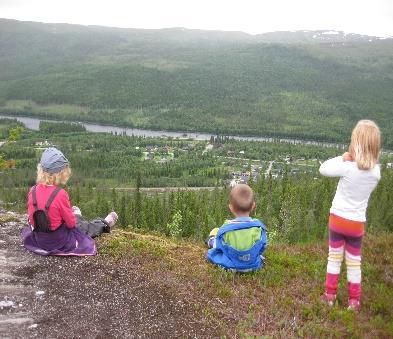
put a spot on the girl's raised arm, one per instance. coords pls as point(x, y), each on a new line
point(334, 167)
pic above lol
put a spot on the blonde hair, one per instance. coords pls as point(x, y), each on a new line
point(47, 178)
point(241, 198)
point(365, 144)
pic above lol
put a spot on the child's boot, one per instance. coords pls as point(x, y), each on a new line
point(328, 299)
point(331, 285)
point(354, 292)
point(354, 305)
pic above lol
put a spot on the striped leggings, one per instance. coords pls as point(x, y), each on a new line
point(345, 237)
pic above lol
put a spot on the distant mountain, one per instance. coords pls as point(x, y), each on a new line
point(319, 36)
point(180, 34)
point(304, 84)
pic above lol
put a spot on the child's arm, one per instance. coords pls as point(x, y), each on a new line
point(66, 211)
point(334, 167)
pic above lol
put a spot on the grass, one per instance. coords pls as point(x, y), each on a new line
point(281, 300)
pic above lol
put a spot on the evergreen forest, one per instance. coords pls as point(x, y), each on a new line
point(182, 190)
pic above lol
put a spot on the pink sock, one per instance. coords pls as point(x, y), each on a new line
point(331, 283)
point(354, 290)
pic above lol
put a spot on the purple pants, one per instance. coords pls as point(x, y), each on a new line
point(64, 241)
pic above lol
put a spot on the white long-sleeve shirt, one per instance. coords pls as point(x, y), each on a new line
point(353, 189)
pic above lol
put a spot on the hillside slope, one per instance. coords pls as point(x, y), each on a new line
point(281, 300)
point(305, 84)
point(148, 285)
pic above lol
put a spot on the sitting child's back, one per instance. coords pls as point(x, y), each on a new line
point(242, 239)
point(239, 243)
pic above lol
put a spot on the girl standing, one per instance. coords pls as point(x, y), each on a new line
point(359, 174)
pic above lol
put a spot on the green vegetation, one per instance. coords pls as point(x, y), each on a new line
point(282, 300)
point(223, 83)
point(110, 171)
point(49, 127)
point(227, 83)
point(10, 129)
point(161, 232)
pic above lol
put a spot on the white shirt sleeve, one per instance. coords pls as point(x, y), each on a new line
point(378, 172)
point(335, 167)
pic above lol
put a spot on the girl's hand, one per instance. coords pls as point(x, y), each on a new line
point(347, 157)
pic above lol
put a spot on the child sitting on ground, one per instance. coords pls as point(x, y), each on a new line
point(239, 243)
point(56, 228)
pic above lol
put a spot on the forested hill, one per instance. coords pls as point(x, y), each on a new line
point(312, 85)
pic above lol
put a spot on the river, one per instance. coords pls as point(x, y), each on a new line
point(34, 123)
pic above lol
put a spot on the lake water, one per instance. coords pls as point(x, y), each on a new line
point(34, 123)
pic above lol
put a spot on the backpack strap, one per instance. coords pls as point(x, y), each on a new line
point(34, 197)
point(52, 197)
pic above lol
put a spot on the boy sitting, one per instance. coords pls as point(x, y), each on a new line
point(239, 243)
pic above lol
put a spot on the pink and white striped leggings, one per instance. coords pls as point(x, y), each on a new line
point(340, 244)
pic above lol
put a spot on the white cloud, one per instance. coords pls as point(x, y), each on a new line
point(373, 17)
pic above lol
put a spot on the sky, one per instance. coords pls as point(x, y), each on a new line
point(370, 17)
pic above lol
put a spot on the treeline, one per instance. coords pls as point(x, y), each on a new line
point(9, 127)
point(266, 150)
point(60, 127)
point(295, 209)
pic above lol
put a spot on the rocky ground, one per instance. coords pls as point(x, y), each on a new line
point(92, 297)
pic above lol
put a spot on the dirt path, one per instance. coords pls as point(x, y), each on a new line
point(93, 297)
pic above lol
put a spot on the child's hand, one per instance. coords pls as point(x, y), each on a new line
point(347, 157)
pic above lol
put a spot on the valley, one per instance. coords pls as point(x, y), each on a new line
point(309, 85)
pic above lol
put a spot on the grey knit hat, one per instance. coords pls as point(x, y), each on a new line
point(53, 160)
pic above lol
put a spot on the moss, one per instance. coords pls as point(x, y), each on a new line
point(125, 246)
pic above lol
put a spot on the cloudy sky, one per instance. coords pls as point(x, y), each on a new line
point(372, 17)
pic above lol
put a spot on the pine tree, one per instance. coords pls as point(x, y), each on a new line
point(122, 212)
point(77, 197)
point(114, 200)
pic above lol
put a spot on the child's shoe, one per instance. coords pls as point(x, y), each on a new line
point(354, 305)
point(76, 210)
point(111, 219)
point(328, 299)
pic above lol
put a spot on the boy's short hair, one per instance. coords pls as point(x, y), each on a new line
point(242, 198)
